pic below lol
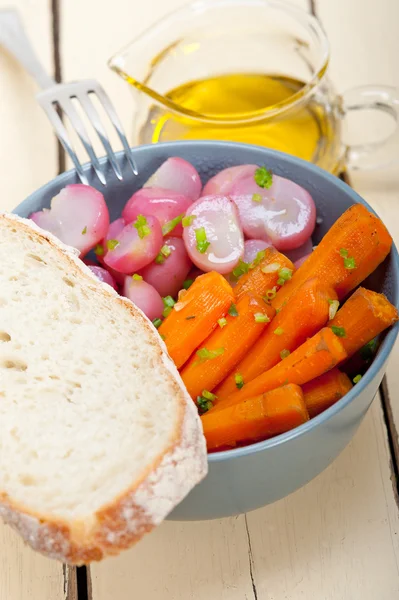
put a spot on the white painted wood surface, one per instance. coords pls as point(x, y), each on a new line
point(337, 538)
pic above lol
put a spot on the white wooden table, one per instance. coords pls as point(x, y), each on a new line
point(335, 539)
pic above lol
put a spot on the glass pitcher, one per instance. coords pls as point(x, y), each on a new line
point(250, 71)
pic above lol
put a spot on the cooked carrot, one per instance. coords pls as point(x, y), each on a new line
point(256, 418)
point(263, 278)
point(314, 357)
point(195, 316)
point(363, 316)
point(326, 390)
point(302, 317)
point(235, 336)
point(353, 247)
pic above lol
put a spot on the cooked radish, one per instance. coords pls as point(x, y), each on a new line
point(143, 295)
point(135, 246)
point(82, 215)
point(103, 275)
point(165, 205)
point(223, 182)
point(178, 175)
point(170, 269)
point(213, 236)
point(298, 253)
point(283, 214)
point(46, 220)
point(298, 263)
point(252, 248)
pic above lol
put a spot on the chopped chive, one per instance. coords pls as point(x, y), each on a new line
point(368, 350)
point(357, 379)
point(263, 177)
point(208, 395)
point(166, 251)
point(261, 318)
point(190, 318)
point(112, 244)
point(284, 354)
point(258, 259)
point(162, 337)
point(271, 268)
point(170, 225)
point(239, 380)
point(203, 404)
point(168, 301)
point(343, 252)
point(202, 242)
point(339, 331)
point(285, 273)
point(187, 283)
point(349, 263)
point(332, 310)
point(271, 294)
point(187, 221)
point(222, 322)
point(280, 281)
point(84, 230)
point(137, 277)
point(166, 311)
point(157, 322)
point(159, 259)
point(256, 198)
point(233, 312)
point(99, 250)
point(241, 269)
point(142, 227)
point(205, 354)
point(279, 331)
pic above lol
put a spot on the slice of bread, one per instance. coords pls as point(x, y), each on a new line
point(99, 439)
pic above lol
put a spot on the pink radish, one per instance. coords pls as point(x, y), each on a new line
point(45, 219)
point(135, 246)
point(81, 215)
point(300, 252)
point(223, 182)
point(163, 204)
point(178, 175)
point(283, 214)
point(103, 275)
point(298, 263)
point(170, 269)
point(144, 296)
point(101, 250)
point(251, 249)
point(213, 236)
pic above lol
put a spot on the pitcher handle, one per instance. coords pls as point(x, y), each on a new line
point(383, 153)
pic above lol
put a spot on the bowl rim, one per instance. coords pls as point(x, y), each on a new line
point(289, 160)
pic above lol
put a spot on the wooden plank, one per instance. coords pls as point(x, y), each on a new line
point(28, 159)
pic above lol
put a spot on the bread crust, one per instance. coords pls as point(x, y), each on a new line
point(122, 522)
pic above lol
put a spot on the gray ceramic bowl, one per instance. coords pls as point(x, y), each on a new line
point(243, 479)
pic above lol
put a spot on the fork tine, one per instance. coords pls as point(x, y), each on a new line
point(80, 129)
point(62, 134)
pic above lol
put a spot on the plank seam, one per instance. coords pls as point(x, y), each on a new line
point(392, 436)
point(251, 559)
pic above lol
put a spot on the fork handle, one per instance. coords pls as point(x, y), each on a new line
point(14, 38)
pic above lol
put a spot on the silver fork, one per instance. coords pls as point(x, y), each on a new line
point(15, 40)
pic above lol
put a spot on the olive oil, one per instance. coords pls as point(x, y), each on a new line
point(221, 108)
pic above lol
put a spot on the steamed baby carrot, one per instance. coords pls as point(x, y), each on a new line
point(266, 277)
point(302, 317)
point(314, 357)
point(326, 390)
point(226, 345)
point(256, 418)
point(354, 246)
point(363, 316)
point(194, 317)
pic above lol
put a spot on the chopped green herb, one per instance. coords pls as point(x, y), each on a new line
point(263, 177)
point(261, 318)
point(187, 221)
point(285, 273)
point(343, 252)
point(84, 230)
point(222, 322)
point(168, 301)
point(159, 259)
point(279, 331)
point(339, 331)
point(157, 322)
point(239, 380)
point(368, 350)
point(208, 395)
point(203, 404)
point(99, 250)
point(187, 283)
point(205, 354)
point(162, 337)
point(256, 198)
point(202, 242)
point(164, 253)
point(170, 225)
point(241, 269)
point(330, 301)
point(233, 312)
point(258, 259)
point(278, 310)
point(271, 268)
point(112, 244)
point(332, 310)
point(190, 318)
point(357, 379)
point(137, 277)
point(284, 354)
point(142, 227)
point(166, 311)
point(350, 263)
point(270, 294)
